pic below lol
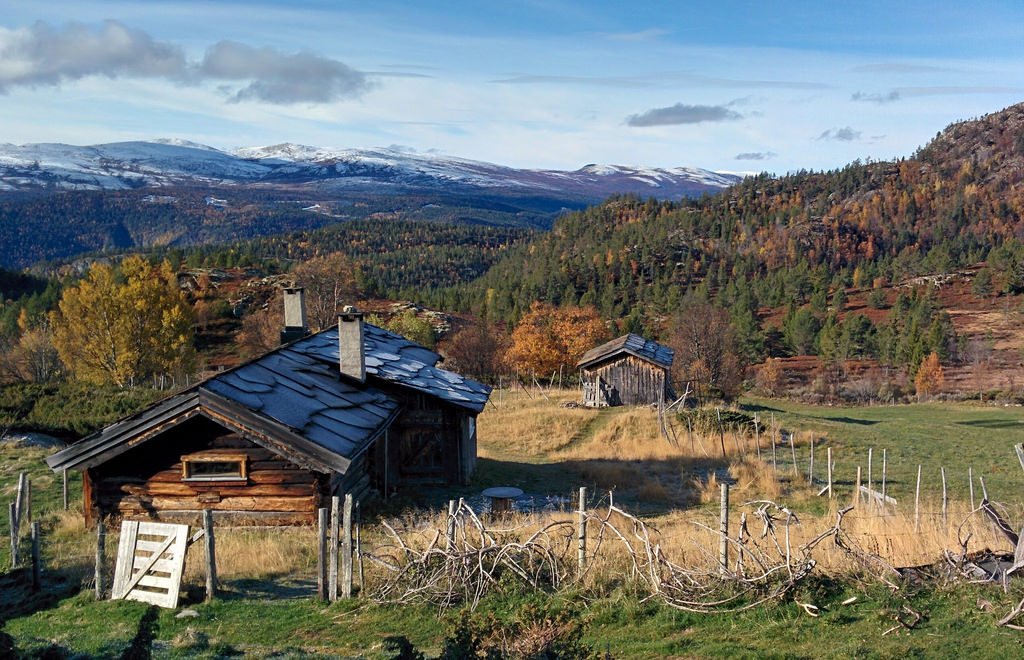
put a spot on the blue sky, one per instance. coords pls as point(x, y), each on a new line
point(737, 86)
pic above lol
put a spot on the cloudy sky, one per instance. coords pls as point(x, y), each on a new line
point(727, 85)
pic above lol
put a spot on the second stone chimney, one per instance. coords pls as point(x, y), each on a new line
point(351, 350)
point(295, 325)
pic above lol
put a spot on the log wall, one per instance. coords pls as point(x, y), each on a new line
point(634, 381)
point(147, 483)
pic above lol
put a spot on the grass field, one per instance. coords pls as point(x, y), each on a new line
point(544, 448)
point(955, 436)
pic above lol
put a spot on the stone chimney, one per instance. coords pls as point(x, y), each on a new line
point(351, 350)
point(295, 326)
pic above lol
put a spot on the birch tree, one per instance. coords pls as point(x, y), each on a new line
point(120, 326)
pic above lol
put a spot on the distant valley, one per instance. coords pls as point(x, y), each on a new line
point(58, 200)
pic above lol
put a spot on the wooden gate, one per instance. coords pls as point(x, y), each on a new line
point(150, 561)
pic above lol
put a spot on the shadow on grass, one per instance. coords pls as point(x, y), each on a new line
point(648, 486)
point(992, 423)
point(759, 408)
point(17, 598)
point(141, 647)
point(273, 588)
point(848, 420)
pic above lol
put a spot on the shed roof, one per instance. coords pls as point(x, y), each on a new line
point(646, 349)
point(293, 401)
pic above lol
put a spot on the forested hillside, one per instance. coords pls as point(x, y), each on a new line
point(769, 242)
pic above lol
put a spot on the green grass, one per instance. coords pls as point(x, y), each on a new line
point(619, 623)
point(47, 495)
point(935, 435)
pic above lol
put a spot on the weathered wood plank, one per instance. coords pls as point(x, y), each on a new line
point(224, 489)
point(155, 578)
point(156, 505)
point(125, 554)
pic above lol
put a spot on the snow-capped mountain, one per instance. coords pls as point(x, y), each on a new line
point(129, 165)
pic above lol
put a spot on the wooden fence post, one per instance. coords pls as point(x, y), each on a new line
point(210, 555)
point(450, 529)
point(332, 547)
point(64, 492)
point(917, 501)
point(943, 471)
point(346, 555)
point(359, 547)
point(792, 448)
point(883, 474)
point(581, 532)
point(871, 451)
point(36, 569)
point(13, 511)
point(101, 551)
point(856, 489)
point(757, 436)
point(810, 469)
point(970, 482)
point(775, 458)
point(321, 554)
point(828, 458)
point(721, 431)
point(19, 500)
point(723, 530)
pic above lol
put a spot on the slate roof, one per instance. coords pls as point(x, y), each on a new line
point(646, 349)
point(296, 392)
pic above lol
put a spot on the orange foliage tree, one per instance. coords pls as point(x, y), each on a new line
point(771, 378)
point(930, 376)
point(550, 338)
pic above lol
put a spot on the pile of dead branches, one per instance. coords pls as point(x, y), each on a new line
point(465, 561)
point(985, 565)
point(764, 566)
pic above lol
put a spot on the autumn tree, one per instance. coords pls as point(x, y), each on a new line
point(119, 326)
point(706, 351)
point(475, 351)
point(550, 338)
point(261, 328)
point(771, 378)
point(330, 281)
point(930, 376)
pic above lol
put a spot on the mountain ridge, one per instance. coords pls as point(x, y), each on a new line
point(165, 162)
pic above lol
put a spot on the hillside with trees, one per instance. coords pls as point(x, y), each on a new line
point(786, 257)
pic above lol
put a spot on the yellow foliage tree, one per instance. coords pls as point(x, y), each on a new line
point(550, 338)
point(122, 327)
point(930, 376)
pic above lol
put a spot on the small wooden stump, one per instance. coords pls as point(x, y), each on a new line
point(501, 498)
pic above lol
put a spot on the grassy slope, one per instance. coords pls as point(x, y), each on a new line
point(934, 435)
point(564, 448)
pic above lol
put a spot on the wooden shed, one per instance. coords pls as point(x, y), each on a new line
point(353, 409)
point(628, 371)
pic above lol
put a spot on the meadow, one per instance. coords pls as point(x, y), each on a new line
point(531, 440)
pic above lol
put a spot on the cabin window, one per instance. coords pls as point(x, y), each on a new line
point(217, 466)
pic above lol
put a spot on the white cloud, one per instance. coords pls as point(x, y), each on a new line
point(42, 55)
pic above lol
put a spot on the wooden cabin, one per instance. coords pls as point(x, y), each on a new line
point(353, 409)
point(628, 371)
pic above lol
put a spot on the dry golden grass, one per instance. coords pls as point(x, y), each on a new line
point(707, 489)
point(531, 427)
point(258, 553)
point(754, 478)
